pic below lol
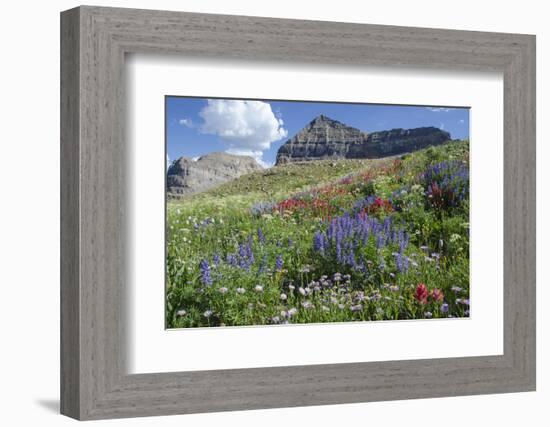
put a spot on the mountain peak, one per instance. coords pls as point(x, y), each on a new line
point(321, 119)
point(326, 138)
point(186, 176)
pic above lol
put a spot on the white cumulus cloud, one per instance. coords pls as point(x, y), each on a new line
point(439, 109)
point(257, 155)
point(246, 126)
point(186, 122)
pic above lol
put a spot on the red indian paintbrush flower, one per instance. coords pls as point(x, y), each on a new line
point(421, 293)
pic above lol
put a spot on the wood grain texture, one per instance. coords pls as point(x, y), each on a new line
point(94, 382)
point(70, 220)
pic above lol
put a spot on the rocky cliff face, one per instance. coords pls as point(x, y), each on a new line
point(326, 138)
point(186, 176)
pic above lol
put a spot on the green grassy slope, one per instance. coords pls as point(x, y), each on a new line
point(247, 252)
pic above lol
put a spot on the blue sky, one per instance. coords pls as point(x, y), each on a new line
point(198, 126)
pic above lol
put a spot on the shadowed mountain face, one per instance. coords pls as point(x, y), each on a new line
point(187, 176)
point(325, 138)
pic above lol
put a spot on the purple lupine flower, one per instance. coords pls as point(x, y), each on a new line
point(242, 252)
point(261, 236)
point(402, 262)
point(206, 279)
point(244, 257)
point(339, 251)
point(249, 254)
point(351, 259)
point(279, 263)
point(444, 307)
point(216, 259)
point(447, 183)
point(319, 242)
point(403, 240)
point(379, 240)
point(346, 235)
point(399, 262)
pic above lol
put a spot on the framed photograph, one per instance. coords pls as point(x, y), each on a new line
point(261, 213)
point(336, 225)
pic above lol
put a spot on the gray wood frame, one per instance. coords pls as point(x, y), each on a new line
point(94, 41)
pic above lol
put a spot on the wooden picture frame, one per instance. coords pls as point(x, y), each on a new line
point(94, 382)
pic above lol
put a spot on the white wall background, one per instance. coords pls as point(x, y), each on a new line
point(29, 213)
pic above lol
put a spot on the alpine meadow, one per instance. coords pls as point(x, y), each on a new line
point(333, 224)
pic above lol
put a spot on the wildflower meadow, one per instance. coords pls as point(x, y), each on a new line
point(324, 241)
